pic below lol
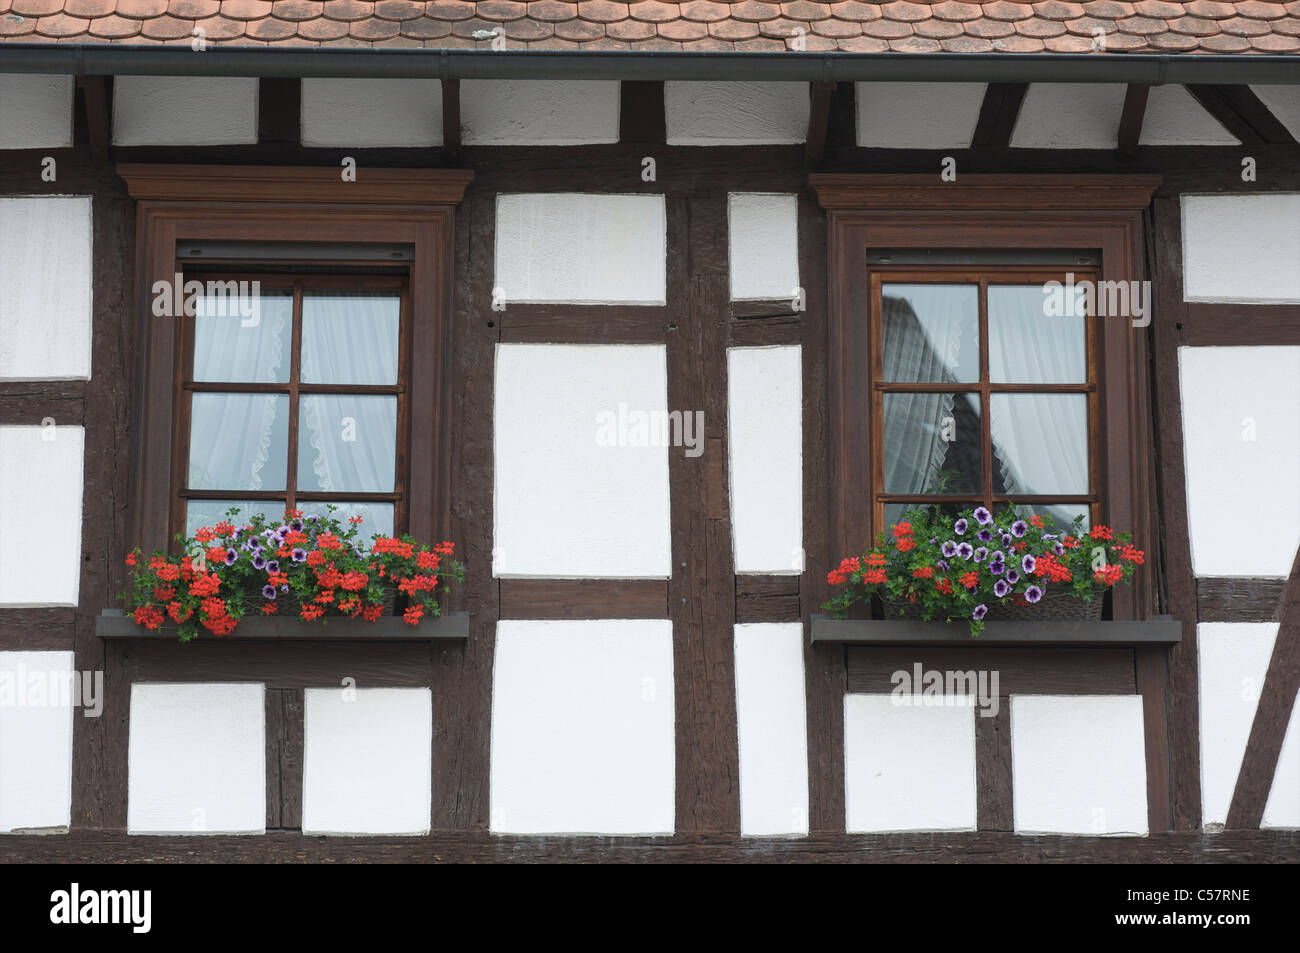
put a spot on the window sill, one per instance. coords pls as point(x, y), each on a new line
point(116, 624)
point(1158, 632)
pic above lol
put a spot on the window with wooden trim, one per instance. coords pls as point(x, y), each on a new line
point(293, 395)
point(979, 393)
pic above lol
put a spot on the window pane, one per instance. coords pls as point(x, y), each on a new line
point(210, 512)
point(350, 337)
point(347, 443)
point(932, 443)
point(239, 441)
point(1030, 343)
point(1040, 443)
point(1062, 514)
point(894, 511)
point(931, 333)
point(243, 339)
point(375, 517)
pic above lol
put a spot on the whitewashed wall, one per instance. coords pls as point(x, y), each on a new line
point(36, 111)
point(1242, 248)
point(1069, 116)
point(577, 494)
point(41, 480)
point(765, 445)
point(35, 741)
point(763, 245)
point(908, 768)
point(1232, 660)
point(184, 110)
point(500, 112)
point(581, 248)
point(46, 272)
point(196, 762)
point(371, 113)
point(1284, 103)
point(1078, 764)
point(1241, 437)
point(367, 760)
point(918, 115)
point(582, 728)
point(728, 114)
point(1173, 117)
point(1283, 806)
point(772, 728)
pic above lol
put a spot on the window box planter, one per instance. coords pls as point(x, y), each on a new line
point(1160, 631)
point(116, 624)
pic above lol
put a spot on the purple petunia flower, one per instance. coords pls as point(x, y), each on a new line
point(1033, 594)
point(933, 540)
point(959, 527)
point(259, 562)
point(1000, 588)
point(1027, 564)
point(997, 567)
point(1006, 539)
point(300, 555)
point(965, 550)
point(982, 516)
point(949, 549)
point(942, 564)
point(1013, 577)
point(1049, 536)
point(980, 611)
point(1019, 528)
point(296, 526)
point(981, 553)
point(231, 556)
point(268, 592)
point(273, 566)
point(285, 587)
point(985, 535)
point(1058, 548)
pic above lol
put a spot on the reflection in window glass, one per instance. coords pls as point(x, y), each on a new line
point(239, 441)
point(1060, 514)
point(200, 513)
point(1040, 443)
point(346, 443)
point(244, 340)
point(376, 518)
point(350, 337)
point(930, 439)
point(1026, 346)
point(931, 333)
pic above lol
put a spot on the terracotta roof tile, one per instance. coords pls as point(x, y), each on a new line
point(641, 30)
point(907, 12)
point(579, 30)
point(724, 30)
point(990, 29)
point(837, 28)
point(1058, 10)
point(914, 44)
point(654, 11)
point(1194, 26)
point(702, 11)
point(864, 44)
point(805, 10)
point(606, 43)
point(887, 29)
point(425, 28)
point(297, 9)
point(1018, 44)
point(552, 11)
point(502, 10)
point(967, 44)
point(193, 9)
point(217, 28)
point(61, 25)
point(115, 27)
point(681, 30)
point(43, 8)
point(449, 10)
point(1110, 9)
point(1288, 27)
point(956, 11)
point(1068, 44)
point(13, 24)
point(1004, 10)
point(1224, 44)
point(1276, 43)
point(1039, 28)
point(1176, 42)
point(602, 11)
point(1241, 26)
point(709, 43)
point(349, 10)
point(525, 31)
point(270, 29)
point(78, 8)
point(852, 10)
point(373, 29)
point(938, 29)
point(398, 10)
point(322, 29)
point(552, 43)
point(1210, 8)
point(167, 28)
point(235, 9)
point(1158, 8)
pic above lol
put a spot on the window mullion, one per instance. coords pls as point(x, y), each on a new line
point(295, 372)
point(986, 419)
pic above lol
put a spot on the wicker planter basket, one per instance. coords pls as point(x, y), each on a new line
point(1057, 606)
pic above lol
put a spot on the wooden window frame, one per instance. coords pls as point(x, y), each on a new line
point(179, 203)
point(1007, 212)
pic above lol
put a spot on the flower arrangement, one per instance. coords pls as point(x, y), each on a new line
point(310, 566)
point(961, 567)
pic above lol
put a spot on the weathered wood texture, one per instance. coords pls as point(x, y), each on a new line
point(993, 798)
point(1238, 599)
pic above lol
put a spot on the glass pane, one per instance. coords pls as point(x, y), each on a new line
point(932, 443)
point(243, 338)
point(239, 441)
point(350, 337)
point(1031, 341)
point(931, 333)
point(1062, 514)
point(1040, 443)
point(375, 517)
point(347, 443)
point(894, 511)
point(210, 512)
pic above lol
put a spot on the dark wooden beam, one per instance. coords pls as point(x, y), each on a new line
point(994, 809)
point(451, 115)
point(767, 598)
point(998, 114)
point(584, 599)
point(1238, 600)
point(1216, 324)
point(1243, 114)
point(279, 102)
point(1277, 698)
point(641, 112)
point(1130, 122)
point(96, 94)
point(819, 121)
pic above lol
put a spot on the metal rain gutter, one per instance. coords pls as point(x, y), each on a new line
point(1149, 69)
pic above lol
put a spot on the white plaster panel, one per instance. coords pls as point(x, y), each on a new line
point(1173, 117)
point(735, 114)
point(184, 110)
point(1232, 659)
point(908, 767)
point(1069, 116)
point(581, 248)
point(40, 515)
point(1241, 438)
point(1284, 103)
point(36, 110)
point(763, 243)
point(1242, 248)
point(1283, 807)
point(765, 441)
point(196, 762)
point(1078, 764)
point(45, 271)
point(772, 726)
point(367, 756)
point(579, 492)
point(918, 115)
point(36, 707)
point(506, 112)
point(371, 113)
point(582, 728)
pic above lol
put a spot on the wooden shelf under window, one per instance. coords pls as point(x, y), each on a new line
point(1160, 631)
point(116, 624)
